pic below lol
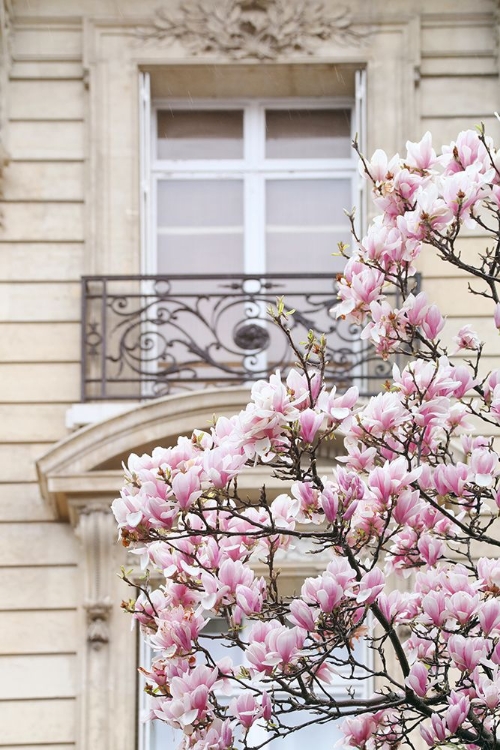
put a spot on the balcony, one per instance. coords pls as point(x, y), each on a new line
point(150, 336)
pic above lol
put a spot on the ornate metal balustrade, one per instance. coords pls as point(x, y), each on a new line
point(149, 336)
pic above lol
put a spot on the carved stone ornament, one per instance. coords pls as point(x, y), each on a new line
point(259, 29)
point(96, 532)
point(98, 615)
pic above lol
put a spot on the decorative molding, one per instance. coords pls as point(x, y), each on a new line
point(253, 29)
point(96, 531)
point(5, 65)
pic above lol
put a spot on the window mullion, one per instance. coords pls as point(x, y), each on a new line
point(254, 253)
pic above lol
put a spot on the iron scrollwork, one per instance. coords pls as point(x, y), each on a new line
point(149, 336)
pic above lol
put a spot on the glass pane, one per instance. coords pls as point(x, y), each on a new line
point(219, 649)
point(200, 203)
point(202, 134)
point(308, 133)
point(320, 736)
point(164, 737)
point(301, 203)
point(303, 252)
point(200, 253)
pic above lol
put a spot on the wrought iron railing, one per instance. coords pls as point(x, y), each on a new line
point(149, 336)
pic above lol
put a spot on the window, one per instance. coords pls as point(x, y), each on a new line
point(157, 735)
point(250, 186)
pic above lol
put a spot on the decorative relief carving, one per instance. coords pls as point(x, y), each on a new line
point(98, 615)
point(259, 29)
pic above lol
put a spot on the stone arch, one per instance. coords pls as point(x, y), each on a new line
point(88, 461)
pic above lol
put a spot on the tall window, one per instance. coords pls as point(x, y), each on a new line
point(255, 185)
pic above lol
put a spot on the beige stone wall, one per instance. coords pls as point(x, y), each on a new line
point(70, 206)
point(41, 251)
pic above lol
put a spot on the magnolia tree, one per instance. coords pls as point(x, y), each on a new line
point(415, 494)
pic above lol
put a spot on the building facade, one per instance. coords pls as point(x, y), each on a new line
point(109, 112)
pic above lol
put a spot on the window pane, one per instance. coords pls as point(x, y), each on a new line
point(202, 134)
point(320, 736)
point(308, 133)
point(316, 202)
point(303, 252)
point(200, 253)
point(200, 203)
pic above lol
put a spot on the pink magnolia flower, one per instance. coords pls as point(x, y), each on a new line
point(433, 606)
point(186, 487)
point(489, 616)
point(383, 413)
point(467, 338)
point(324, 590)
point(436, 732)
point(496, 316)
point(359, 730)
point(285, 510)
point(418, 679)
point(467, 150)
point(284, 645)
point(370, 586)
point(266, 707)
point(433, 322)
point(458, 709)
point(217, 736)
point(246, 709)
point(451, 478)
point(391, 479)
point(431, 548)
point(484, 467)
point(407, 507)
point(467, 653)
point(221, 465)
point(309, 501)
point(301, 388)
point(489, 574)
point(359, 458)
point(464, 380)
point(309, 424)
point(127, 510)
point(487, 690)
point(357, 293)
point(274, 646)
point(421, 155)
point(462, 607)
point(462, 190)
point(329, 501)
point(177, 631)
point(338, 408)
point(302, 615)
point(387, 327)
point(430, 214)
